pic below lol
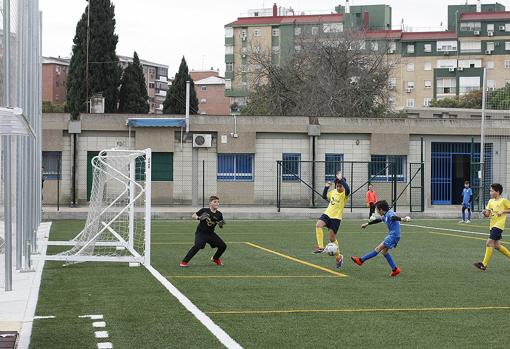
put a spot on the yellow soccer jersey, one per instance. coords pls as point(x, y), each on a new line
point(495, 206)
point(336, 205)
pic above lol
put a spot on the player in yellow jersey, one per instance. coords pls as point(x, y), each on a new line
point(332, 217)
point(497, 209)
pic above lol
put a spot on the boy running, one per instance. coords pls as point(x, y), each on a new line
point(209, 218)
point(467, 198)
point(497, 208)
point(390, 241)
point(332, 217)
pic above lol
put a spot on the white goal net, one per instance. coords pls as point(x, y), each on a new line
point(119, 217)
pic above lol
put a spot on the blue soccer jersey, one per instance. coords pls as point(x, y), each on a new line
point(393, 226)
point(467, 194)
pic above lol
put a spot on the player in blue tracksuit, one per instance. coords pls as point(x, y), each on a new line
point(390, 241)
point(467, 199)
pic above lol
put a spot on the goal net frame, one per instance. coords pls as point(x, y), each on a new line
point(134, 191)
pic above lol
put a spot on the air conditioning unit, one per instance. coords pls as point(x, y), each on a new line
point(476, 33)
point(391, 51)
point(451, 69)
point(202, 140)
point(490, 33)
point(460, 68)
point(488, 52)
point(243, 55)
point(243, 38)
point(409, 90)
point(502, 28)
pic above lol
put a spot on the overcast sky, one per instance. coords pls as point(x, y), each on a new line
point(163, 31)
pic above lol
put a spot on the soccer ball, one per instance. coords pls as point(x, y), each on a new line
point(331, 249)
point(372, 218)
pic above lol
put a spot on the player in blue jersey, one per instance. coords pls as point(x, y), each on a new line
point(390, 241)
point(467, 199)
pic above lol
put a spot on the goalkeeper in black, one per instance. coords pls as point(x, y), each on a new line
point(209, 218)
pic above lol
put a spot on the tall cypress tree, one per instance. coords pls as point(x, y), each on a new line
point(175, 101)
point(104, 70)
point(133, 97)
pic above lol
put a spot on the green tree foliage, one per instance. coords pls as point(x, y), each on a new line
point(133, 97)
point(471, 100)
point(175, 101)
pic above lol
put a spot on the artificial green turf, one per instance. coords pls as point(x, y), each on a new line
point(437, 272)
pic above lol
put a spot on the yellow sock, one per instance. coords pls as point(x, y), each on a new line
point(488, 255)
point(338, 250)
point(320, 237)
point(504, 250)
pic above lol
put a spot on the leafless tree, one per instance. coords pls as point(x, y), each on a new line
point(328, 74)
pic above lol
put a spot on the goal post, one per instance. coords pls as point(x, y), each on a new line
point(118, 225)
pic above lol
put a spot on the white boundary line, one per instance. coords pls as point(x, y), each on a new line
point(445, 229)
point(217, 331)
point(43, 234)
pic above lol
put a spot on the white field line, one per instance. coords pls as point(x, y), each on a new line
point(445, 229)
point(42, 317)
point(101, 334)
point(217, 331)
point(99, 324)
point(92, 317)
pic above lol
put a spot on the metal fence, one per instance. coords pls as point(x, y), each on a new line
point(20, 129)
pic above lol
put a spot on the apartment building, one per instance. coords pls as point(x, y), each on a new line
point(210, 91)
point(429, 64)
point(54, 76)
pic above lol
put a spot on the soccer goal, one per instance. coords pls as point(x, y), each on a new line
point(118, 226)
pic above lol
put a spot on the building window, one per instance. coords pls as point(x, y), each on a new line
point(470, 46)
point(410, 84)
point(490, 46)
point(297, 48)
point(490, 27)
point(447, 46)
point(244, 68)
point(229, 32)
point(291, 167)
point(229, 50)
point(427, 66)
point(392, 47)
point(507, 27)
point(235, 167)
point(468, 84)
point(446, 86)
point(426, 101)
point(410, 48)
point(203, 88)
point(162, 167)
point(392, 100)
point(491, 85)
point(333, 27)
point(410, 103)
point(375, 45)
point(489, 65)
point(297, 31)
point(52, 164)
point(427, 48)
point(470, 26)
point(446, 63)
point(410, 66)
point(257, 32)
point(229, 67)
point(203, 101)
point(392, 83)
point(315, 30)
point(275, 32)
point(228, 84)
point(428, 83)
point(57, 69)
point(334, 163)
point(507, 64)
point(383, 167)
point(276, 49)
point(151, 85)
point(256, 49)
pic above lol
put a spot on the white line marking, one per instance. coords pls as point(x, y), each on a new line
point(101, 334)
point(104, 345)
point(44, 317)
point(446, 229)
point(217, 331)
point(92, 317)
point(98, 324)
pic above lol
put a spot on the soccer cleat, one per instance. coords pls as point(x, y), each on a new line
point(339, 261)
point(183, 264)
point(357, 260)
point(395, 272)
point(480, 266)
point(218, 262)
point(468, 221)
point(462, 222)
point(318, 250)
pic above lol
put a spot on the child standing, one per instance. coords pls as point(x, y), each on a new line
point(209, 218)
point(467, 198)
point(371, 199)
point(390, 241)
point(497, 208)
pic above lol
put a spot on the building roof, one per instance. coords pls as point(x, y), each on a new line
point(480, 16)
point(383, 34)
point(127, 59)
point(156, 122)
point(55, 60)
point(246, 21)
point(211, 80)
point(423, 36)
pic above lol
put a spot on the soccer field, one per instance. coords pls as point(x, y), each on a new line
point(273, 292)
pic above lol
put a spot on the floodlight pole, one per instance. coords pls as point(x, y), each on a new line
point(481, 195)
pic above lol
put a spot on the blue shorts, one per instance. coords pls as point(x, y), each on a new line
point(331, 223)
point(391, 241)
point(468, 205)
point(496, 234)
